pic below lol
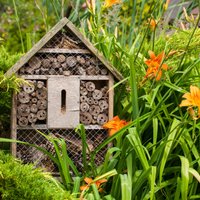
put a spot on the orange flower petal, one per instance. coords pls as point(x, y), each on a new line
point(109, 3)
point(152, 54)
point(99, 182)
point(112, 132)
point(158, 75)
point(165, 67)
point(160, 57)
point(84, 187)
point(88, 180)
point(185, 103)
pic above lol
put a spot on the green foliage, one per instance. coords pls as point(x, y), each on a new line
point(156, 155)
point(7, 86)
point(19, 182)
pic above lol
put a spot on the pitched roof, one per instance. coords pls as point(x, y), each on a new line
point(62, 23)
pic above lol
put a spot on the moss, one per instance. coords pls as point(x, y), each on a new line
point(21, 182)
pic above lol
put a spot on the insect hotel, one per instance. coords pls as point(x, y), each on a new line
point(67, 84)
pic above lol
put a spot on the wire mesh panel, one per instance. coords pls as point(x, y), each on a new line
point(73, 141)
point(63, 64)
point(64, 54)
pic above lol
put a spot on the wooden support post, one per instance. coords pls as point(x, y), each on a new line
point(110, 97)
point(14, 124)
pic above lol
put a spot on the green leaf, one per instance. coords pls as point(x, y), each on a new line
point(184, 177)
point(125, 187)
point(169, 145)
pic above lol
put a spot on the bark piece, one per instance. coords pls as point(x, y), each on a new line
point(23, 110)
point(64, 66)
point(42, 104)
point(84, 107)
point(97, 94)
point(41, 93)
point(46, 63)
point(61, 58)
point(41, 114)
point(23, 121)
point(86, 118)
point(103, 105)
point(90, 86)
point(83, 91)
point(95, 110)
point(71, 61)
point(23, 97)
point(55, 65)
point(32, 118)
point(81, 71)
point(90, 101)
point(102, 119)
point(40, 84)
point(81, 60)
point(29, 88)
point(34, 63)
point(34, 100)
point(91, 70)
point(34, 108)
point(83, 98)
point(104, 71)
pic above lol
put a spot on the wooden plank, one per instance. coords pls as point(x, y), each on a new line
point(37, 47)
point(93, 50)
point(45, 77)
point(85, 77)
point(67, 51)
point(93, 127)
point(63, 102)
point(14, 124)
point(39, 77)
point(110, 97)
point(36, 126)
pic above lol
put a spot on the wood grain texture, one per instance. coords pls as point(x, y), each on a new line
point(65, 51)
point(69, 116)
point(110, 97)
point(37, 47)
point(14, 124)
point(81, 77)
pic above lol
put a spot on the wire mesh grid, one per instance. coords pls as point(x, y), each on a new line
point(65, 39)
point(63, 64)
point(50, 61)
point(73, 141)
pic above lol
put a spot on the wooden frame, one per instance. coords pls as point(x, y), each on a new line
point(68, 26)
point(14, 124)
point(101, 81)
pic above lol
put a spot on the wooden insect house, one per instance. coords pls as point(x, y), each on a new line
point(68, 82)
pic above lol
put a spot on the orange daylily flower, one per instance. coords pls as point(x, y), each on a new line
point(155, 65)
point(114, 125)
point(192, 100)
point(90, 181)
point(109, 3)
point(152, 23)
